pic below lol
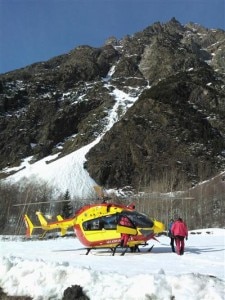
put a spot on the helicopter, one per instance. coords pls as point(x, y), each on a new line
point(101, 225)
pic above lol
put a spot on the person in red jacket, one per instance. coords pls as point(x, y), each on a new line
point(124, 221)
point(180, 231)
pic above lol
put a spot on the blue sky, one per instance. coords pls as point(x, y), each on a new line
point(37, 30)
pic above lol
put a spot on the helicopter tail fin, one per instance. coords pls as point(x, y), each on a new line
point(41, 219)
point(63, 231)
point(29, 225)
point(59, 218)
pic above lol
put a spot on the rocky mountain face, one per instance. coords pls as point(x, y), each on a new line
point(175, 127)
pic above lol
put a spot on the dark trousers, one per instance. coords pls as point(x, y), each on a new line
point(172, 243)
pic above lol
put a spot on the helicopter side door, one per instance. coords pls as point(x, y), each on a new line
point(125, 225)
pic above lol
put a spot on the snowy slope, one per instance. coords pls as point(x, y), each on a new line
point(44, 269)
point(67, 173)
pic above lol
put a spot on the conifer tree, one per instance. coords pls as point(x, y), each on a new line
point(67, 209)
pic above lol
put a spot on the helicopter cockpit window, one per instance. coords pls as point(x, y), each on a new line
point(110, 222)
point(139, 219)
point(106, 222)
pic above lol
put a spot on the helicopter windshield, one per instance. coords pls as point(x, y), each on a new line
point(139, 219)
point(110, 222)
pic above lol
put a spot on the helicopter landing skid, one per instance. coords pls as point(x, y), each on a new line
point(136, 250)
point(112, 249)
point(133, 250)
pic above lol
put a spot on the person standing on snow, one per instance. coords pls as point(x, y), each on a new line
point(170, 235)
point(180, 231)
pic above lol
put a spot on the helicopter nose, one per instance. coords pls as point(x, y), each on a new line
point(158, 226)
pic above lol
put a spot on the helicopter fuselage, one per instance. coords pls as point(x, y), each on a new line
point(97, 226)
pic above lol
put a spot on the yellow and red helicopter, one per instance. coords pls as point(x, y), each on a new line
point(100, 226)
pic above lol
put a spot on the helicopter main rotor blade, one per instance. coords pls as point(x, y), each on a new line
point(40, 202)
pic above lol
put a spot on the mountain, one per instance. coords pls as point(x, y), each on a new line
point(147, 107)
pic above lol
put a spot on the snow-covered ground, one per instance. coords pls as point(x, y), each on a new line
point(44, 269)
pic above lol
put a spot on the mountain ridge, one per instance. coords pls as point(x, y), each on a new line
point(169, 121)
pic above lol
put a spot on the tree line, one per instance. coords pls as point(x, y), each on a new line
point(201, 207)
